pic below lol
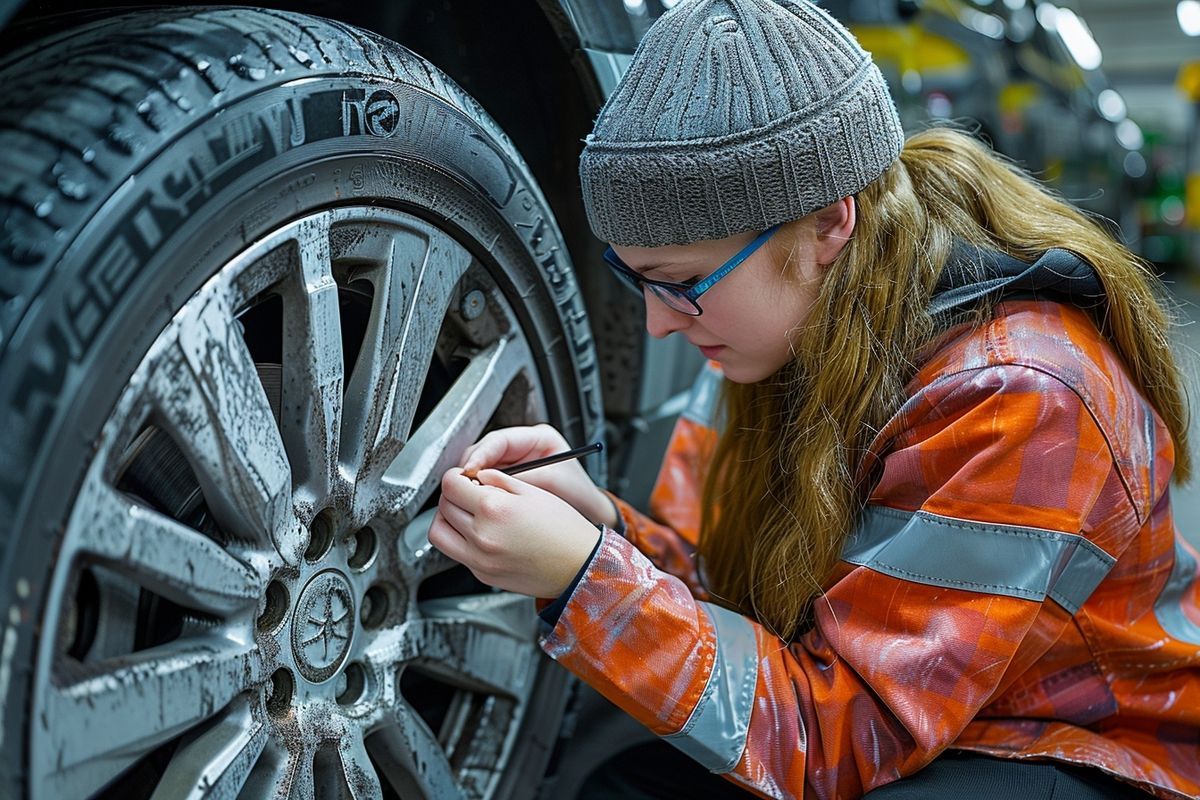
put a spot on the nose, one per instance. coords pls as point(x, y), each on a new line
point(661, 319)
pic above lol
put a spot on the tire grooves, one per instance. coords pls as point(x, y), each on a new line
point(65, 72)
point(91, 87)
point(204, 32)
point(246, 35)
point(300, 30)
point(32, 172)
point(30, 209)
point(86, 69)
point(194, 55)
point(356, 36)
point(34, 55)
point(185, 62)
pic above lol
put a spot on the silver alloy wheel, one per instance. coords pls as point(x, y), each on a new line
point(299, 614)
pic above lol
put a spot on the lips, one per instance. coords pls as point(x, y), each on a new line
point(711, 350)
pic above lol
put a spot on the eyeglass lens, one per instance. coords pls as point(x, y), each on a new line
point(672, 298)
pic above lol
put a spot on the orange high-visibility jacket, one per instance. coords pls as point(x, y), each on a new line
point(1016, 586)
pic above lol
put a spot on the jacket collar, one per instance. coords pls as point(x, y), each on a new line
point(973, 273)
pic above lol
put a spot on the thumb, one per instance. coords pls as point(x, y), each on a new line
point(502, 480)
point(472, 461)
point(478, 456)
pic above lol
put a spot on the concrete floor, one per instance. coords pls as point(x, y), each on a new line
point(1186, 500)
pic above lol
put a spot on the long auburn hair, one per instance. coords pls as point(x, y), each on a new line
point(783, 487)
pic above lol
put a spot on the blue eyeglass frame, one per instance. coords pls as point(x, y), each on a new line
point(685, 296)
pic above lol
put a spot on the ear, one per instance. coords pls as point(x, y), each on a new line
point(834, 224)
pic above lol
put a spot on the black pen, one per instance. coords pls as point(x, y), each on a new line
point(566, 455)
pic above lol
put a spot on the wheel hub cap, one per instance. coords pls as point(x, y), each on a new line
point(323, 625)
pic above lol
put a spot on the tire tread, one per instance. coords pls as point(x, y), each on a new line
point(149, 75)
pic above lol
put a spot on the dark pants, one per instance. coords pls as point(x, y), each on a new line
point(659, 771)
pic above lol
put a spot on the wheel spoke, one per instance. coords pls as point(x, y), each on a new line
point(481, 643)
point(357, 769)
point(208, 392)
point(215, 764)
point(159, 553)
point(279, 774)
point(417, 556)
point(457, 421)
point(410, 759)
point(100, 724)
point(412, 294)
point(313, 372)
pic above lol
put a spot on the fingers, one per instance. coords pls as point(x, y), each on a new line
point(494, 478)
point(498, 449)
point(509, 446)
point(449, 541)
point(467, 494)
point(459, 519)
point(458, 489)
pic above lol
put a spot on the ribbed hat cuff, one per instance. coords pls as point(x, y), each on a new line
point(655, 196)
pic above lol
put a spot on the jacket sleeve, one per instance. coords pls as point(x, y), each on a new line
point(669, 533)
point(967, 565)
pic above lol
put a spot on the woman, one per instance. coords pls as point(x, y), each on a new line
point(931, 551)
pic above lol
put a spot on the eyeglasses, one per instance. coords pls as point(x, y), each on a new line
point(683, 297)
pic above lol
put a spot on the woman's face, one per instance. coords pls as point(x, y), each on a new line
point(750, 314)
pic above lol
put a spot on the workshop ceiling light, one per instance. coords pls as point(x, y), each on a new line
point(1129, 135)
point(1135, 164)
point(1188, 12)
point(1111, 105)
point(989, 25)
point(1078, 39)
point(1047, 16)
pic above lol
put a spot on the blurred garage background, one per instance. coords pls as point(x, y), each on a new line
point(1100, 98)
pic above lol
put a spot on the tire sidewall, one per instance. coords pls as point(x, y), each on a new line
point(256, 164)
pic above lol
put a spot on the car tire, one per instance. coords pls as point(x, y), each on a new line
point(262, 277)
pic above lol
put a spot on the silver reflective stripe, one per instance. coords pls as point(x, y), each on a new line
point(702, 402)
point(715, 733)
point(1169, 605)
point(980, 557)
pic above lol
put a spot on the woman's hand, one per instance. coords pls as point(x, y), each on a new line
point(511, 534)
point(568, 479)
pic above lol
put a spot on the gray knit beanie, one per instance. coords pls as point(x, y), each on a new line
point(736, 115)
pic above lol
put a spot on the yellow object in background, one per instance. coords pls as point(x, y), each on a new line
point(1188, 80)
point(1017, 96)
point(910, 48)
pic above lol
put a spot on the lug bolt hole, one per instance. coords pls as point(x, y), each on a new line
point(362, 548)
point(473, 304)
point(320, 536)
point(275, 607)
point(351, 684)
point(283, 685)
point(375, 606)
